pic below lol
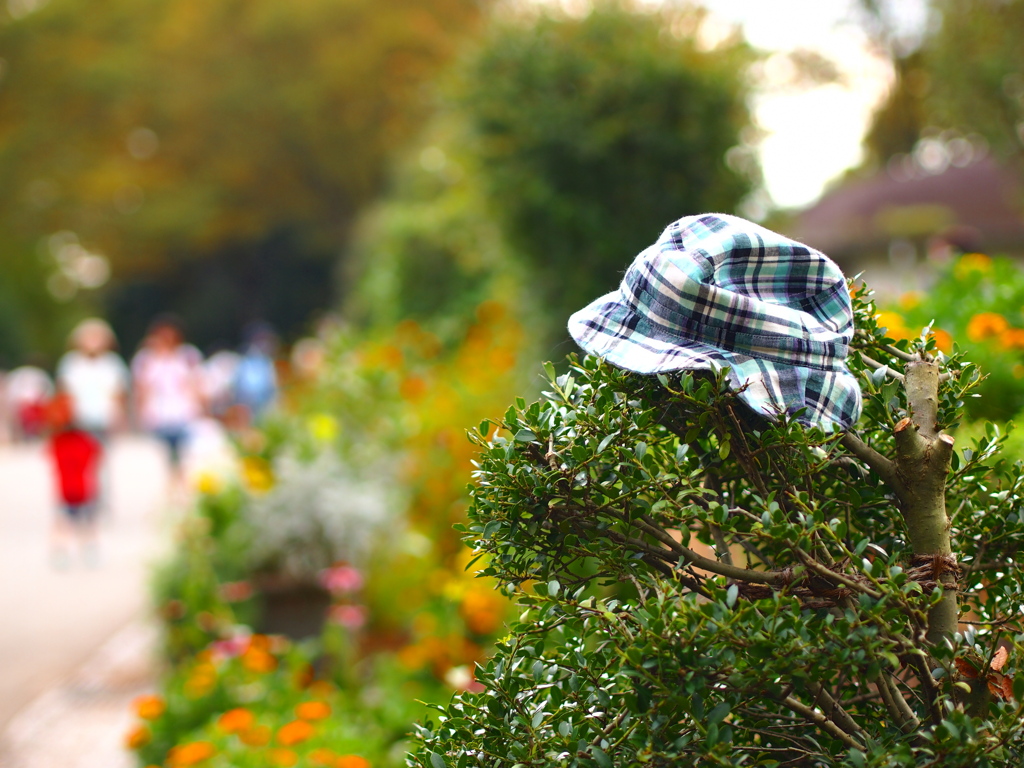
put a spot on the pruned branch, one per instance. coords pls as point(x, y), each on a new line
point(883, 467)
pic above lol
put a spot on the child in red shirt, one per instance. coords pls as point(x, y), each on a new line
point(75, 455)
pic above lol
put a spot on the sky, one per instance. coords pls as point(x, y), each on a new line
point(812, 135)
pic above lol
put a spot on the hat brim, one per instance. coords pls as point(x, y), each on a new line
point(609, 329)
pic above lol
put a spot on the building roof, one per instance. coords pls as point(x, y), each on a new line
point(979, 206)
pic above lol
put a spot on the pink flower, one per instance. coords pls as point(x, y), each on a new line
point(341, 579)
point(350, 616)
point(234, 591)
point(228, 649)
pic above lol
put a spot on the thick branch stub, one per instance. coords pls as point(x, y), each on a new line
point(922, 463)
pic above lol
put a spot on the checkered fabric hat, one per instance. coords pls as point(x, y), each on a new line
point(718, 291)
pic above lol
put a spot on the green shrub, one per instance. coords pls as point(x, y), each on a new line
point(699, 588)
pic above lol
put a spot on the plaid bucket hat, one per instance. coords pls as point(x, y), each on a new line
point(717, 291)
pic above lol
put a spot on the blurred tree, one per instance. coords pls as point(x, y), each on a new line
point(161, 131)
point(562, 144)
point(592, 133)
point(964, 74)
point(976, 62)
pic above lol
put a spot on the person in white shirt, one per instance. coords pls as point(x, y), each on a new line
point(96, 379)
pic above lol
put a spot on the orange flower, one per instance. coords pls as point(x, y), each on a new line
point(482, 610)
point(255, 737)
point(412, 388)
point(295, 732)
point(258, 660)
point(894, 325)
point(321, 689)
point(1012, 338)
point(943, 341)
point(313, 710)
point(235, 720)
point(910, 299)
point(352, 761)
point(986, 325)
point(284, 757)
point(149, 707)
point(190, 754)
point(322, 757)
point(137, 737)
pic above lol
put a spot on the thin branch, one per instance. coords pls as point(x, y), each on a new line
point(836, 713)
point(885, 468)
point(878, 366)
point(822, 722)
point(896, 352)
point(903, 714)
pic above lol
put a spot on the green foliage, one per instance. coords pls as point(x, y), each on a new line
point(702, 587)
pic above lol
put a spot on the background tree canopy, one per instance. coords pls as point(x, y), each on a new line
point(165, 132)
point(563, 146)
point(936, 90)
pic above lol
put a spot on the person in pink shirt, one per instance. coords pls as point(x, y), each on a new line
point(168, 386)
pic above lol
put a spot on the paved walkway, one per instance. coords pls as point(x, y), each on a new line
point(53, 621)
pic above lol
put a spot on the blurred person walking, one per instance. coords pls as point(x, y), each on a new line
point(28, 388)
point(169, 391)
point(219, 381)
point(255, 384)
point(96, 380)
point(75, 454)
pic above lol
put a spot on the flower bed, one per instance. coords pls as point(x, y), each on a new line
point(347, 500)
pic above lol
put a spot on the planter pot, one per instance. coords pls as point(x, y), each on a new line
point(294, 609)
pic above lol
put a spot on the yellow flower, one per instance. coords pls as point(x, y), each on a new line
point(137, 737)
point(201, 680)
point(235, 720)
point(986, 325)
point(313, 710)
point(972, 262)
point(323, 427)
point(189, 754)
point(295, 732)
point(207, 483)
point(257, 475)
point(149, 707)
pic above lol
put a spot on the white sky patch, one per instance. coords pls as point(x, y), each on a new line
point(812, 135)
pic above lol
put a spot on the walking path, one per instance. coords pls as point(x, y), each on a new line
point(74, 644)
